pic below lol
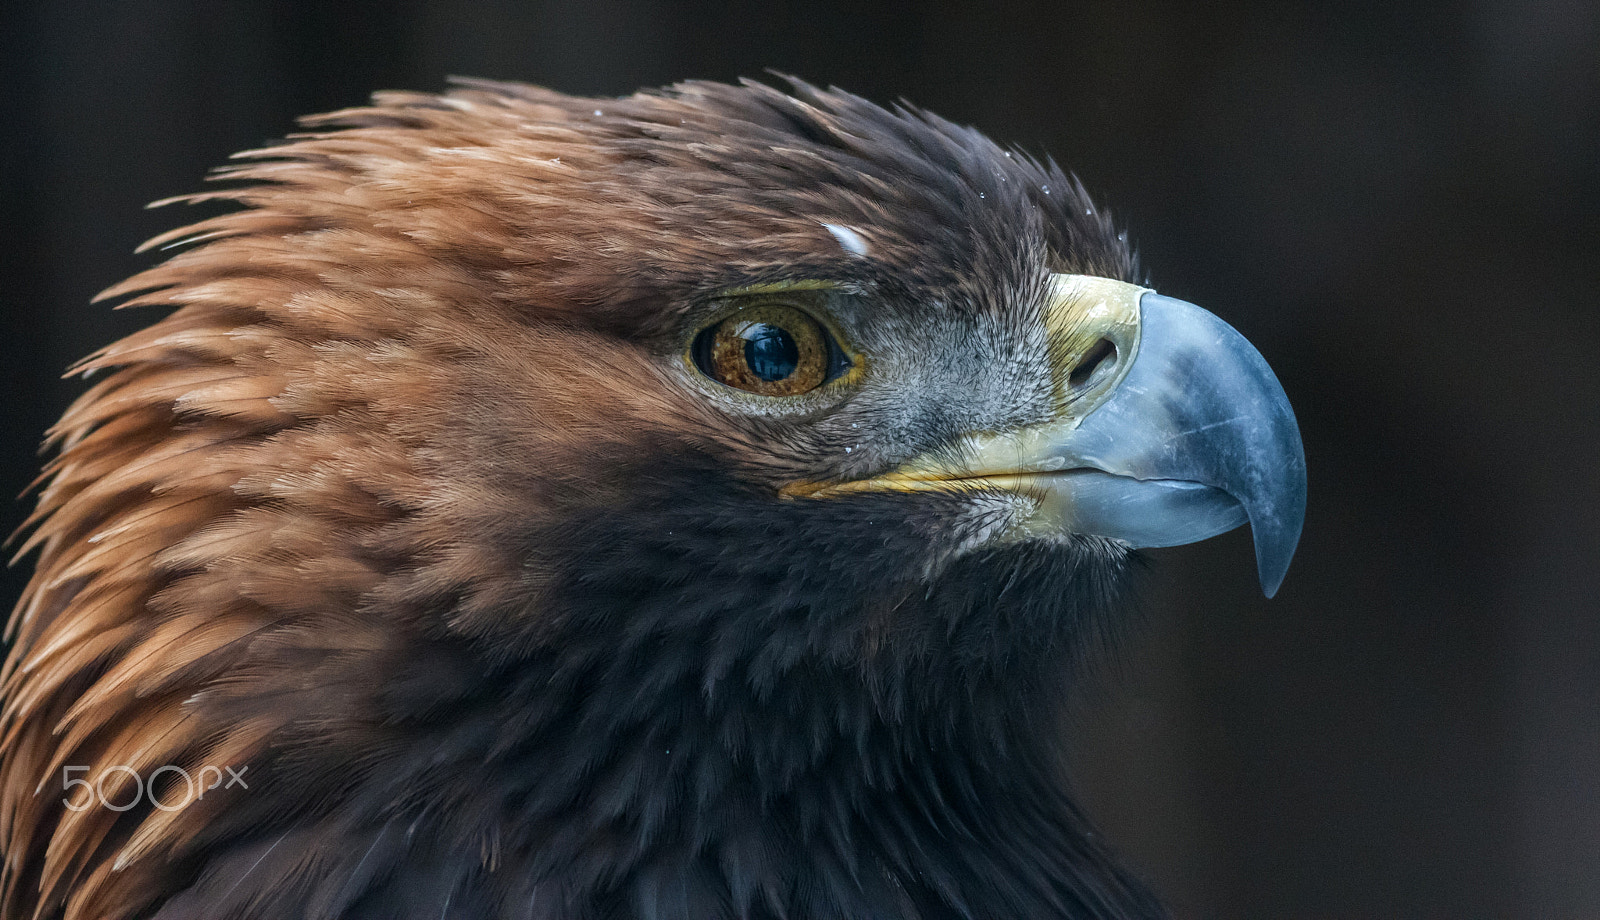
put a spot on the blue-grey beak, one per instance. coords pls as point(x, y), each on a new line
point(1169, 429)
point(1197, 437)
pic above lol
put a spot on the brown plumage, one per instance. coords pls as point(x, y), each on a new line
point(409, 509)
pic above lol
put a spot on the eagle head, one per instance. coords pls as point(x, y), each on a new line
point(688, 505)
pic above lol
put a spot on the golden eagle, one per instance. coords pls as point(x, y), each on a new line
point(688, 505)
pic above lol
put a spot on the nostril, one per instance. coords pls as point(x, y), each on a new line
point(1098, 362)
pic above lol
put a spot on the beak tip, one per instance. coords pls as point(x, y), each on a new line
point(1270, 584)
point(1275, 547)
point(1271, 568)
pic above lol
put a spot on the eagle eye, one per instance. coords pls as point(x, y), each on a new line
point(769, 349)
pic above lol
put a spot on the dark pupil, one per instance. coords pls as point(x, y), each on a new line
point(770, 352)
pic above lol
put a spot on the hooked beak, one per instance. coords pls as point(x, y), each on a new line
point(1170, 429)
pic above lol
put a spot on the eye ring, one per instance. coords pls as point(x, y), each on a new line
point(769, 349)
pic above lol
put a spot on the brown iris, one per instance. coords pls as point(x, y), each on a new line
point(769, 349)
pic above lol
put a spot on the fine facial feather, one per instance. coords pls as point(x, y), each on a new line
point(409, 508)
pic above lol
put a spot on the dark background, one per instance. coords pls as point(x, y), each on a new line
point(1398, 203)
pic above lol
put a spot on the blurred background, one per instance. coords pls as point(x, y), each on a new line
point(1399, 203)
